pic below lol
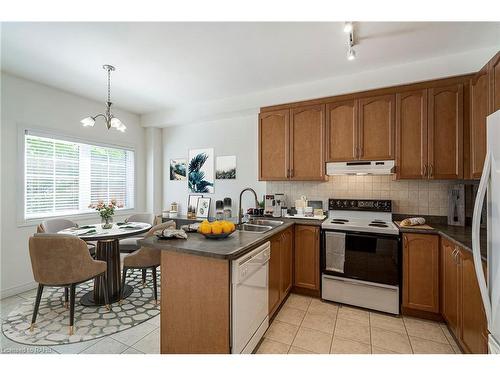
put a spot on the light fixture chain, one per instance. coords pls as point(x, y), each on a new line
point(109, 85)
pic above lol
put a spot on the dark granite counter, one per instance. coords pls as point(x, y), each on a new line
point(462, 236)
point(232, 247)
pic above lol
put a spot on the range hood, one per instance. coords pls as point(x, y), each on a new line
point(360, 168)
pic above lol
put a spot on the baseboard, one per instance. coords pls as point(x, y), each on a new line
point(306, 291)
point(421, 314)
point(9, 292)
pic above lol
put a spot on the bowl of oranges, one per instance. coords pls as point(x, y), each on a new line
point(216, 229)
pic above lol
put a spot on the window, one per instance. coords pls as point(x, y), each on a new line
point(64, 177)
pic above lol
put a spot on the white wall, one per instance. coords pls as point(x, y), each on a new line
point(29, 104)
point(414, 71)
point(154, 170)
point(237, 136)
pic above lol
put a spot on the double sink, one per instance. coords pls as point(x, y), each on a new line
point(258, 225)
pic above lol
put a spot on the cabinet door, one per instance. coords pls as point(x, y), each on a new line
point(341, 131)
point(306, 272)
point(274, 145)
point(479, 104)
point(421, 272)
point(376, 128)
point(473, 333)
point(307, 142)
point(450, 285)
point(411, 135)
point(445, 133)
point(274, 274)
point(286, 262)
point(494, 75)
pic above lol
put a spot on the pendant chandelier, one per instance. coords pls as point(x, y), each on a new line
point(111, 121)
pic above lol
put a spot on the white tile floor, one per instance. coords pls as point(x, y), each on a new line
point(308, 325)
point(303, 325)
point(141, 339)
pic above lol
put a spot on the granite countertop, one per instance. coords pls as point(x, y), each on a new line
point(462, 236)
point(232, 247)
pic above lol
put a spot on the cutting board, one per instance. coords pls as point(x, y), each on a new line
point(425, 226)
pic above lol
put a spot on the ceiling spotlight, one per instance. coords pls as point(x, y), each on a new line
point(351, 54)
point(347, 27)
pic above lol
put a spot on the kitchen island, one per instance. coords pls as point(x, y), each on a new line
point(196, 289)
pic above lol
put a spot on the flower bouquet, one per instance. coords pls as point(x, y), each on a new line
point(106, 211)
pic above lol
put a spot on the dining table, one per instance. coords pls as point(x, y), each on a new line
point(108, 250)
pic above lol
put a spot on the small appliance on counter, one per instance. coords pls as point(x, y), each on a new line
point(268, 204)
point(278, 203)
point(456, 205)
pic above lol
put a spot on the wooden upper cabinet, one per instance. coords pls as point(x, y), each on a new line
point(494, 76)
point(445, 134)
point(274, 145)
point(341, 131)
point(306, 253)
point(450, 285)
point(421, 272)
point(411, 134)
point(479, 103)
point(307, 143)
point(286, 262)
point(473, 324)
point(376, 128)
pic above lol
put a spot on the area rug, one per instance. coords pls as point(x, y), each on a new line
point(90, 322)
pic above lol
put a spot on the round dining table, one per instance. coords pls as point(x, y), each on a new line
point(108, 250)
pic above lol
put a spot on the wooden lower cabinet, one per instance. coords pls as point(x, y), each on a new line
point(461, 303)
point(450, 285)
point(421, 272)
point(280, 268)
point(306, 254)
point(473, 333)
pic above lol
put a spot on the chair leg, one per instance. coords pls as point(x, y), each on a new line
point(104, 283)
point(124, 278)
point(72, 294)
point(144, 277)
point(37, 305)
point(66, 295)
point(155, 286)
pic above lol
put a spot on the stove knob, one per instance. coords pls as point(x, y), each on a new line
point(376, 204)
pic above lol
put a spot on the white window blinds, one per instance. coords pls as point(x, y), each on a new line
point(64, 177)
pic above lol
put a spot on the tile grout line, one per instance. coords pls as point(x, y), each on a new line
point(408, 335)
point(370, 330)
point(333, 333)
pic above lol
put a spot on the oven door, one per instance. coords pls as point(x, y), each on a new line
point(362, 256)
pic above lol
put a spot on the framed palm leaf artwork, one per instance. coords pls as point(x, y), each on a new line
point(201, 170)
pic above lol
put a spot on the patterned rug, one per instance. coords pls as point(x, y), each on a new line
point(90, 322)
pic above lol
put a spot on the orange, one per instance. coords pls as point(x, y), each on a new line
point(227, 227)
point(216, 228)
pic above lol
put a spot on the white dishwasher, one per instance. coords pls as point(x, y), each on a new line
point(250, 282)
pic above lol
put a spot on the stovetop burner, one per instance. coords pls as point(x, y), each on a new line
point(342, 220)
point(378, 222)
point(337, 222)
point(378, 225)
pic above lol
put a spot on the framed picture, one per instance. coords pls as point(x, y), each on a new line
point(201, 170)
point(178, 169)
point(225, 167)
point(203, 208)
point(193, 202)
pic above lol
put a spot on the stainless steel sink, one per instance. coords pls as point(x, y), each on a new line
point(245, 227)
point(259, 225)
point(271, 223)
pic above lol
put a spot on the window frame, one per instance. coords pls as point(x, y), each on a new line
point(61, 135)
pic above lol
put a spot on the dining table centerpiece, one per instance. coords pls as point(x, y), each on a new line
point(106, 211)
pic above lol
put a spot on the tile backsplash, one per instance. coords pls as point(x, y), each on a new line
point(414, 197)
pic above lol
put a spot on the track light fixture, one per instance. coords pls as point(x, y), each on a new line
point(349, 29)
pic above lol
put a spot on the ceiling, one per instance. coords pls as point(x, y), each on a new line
point(165, 65)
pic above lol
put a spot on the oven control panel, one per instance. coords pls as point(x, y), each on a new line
point(360, 205)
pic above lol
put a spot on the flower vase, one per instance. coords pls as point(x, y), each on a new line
point(107, 223)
